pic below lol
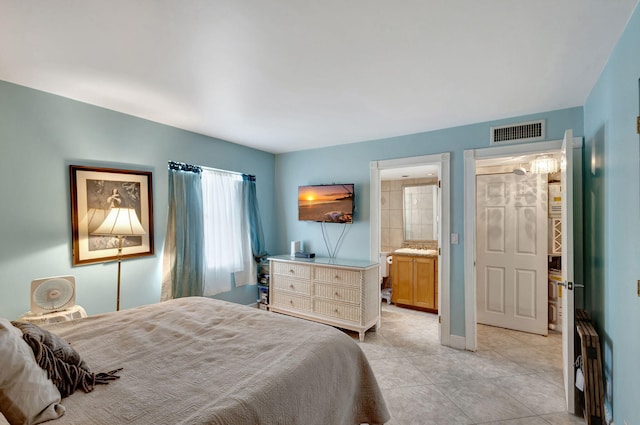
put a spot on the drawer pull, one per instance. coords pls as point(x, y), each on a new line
point(291, 286)
point(336, 310)
point(337, 294)
point(291, 271)
point(291, 302)
point(337, 277)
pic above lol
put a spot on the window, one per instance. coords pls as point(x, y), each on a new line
point(227, 246)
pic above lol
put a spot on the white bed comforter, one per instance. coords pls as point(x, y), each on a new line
point(203, 361)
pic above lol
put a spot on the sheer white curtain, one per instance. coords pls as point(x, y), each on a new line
point(228, 258)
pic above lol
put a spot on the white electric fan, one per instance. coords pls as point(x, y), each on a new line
point(52, 294)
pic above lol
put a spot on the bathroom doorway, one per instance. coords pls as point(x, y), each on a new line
point(417, 170)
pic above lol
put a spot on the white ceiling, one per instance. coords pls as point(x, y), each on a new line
point(286, 75)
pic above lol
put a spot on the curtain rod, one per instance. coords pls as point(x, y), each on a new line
point(197, 168)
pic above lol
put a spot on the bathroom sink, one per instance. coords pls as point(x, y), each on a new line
point(416, 251)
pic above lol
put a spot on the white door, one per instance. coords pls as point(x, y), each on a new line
point(511, 252)
point(567, 269)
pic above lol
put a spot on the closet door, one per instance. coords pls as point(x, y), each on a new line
point(511, 263)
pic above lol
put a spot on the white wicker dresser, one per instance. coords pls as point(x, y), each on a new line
point(340, 293)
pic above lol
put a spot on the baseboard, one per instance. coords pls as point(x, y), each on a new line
point(458, 342)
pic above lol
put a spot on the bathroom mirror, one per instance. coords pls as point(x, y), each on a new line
point(420, 212)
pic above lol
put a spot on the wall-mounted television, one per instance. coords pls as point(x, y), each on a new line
point(326, 203)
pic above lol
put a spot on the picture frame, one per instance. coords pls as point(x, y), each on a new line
point(96, 190)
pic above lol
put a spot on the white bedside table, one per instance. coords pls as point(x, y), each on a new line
point(75, 312)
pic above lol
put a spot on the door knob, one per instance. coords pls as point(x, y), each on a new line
point(568, 285)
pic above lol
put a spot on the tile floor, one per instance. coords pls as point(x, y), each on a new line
point(514, 378)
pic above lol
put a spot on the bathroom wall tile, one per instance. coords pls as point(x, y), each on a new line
point(385, 200)
point(396, 238)
point(385, 185)
point(395, 218)
point(396, 185)
point(385, 218)
point(395, 199)
point(428, 180)
point(385, 239)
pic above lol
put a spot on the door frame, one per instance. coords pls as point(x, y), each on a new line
point(443, 162)
point(470, 158)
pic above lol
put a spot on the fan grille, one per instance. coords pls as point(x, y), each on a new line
point(52, 294)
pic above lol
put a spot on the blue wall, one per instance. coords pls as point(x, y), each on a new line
point(350, 164)
point(612, 214)
point(41, 135)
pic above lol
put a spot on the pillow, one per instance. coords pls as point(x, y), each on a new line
point(61, 348)
point(27, 395)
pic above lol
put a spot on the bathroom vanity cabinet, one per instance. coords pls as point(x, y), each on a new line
point(414, 280)
point(341, 293)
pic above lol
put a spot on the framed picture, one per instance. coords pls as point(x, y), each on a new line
point(94, 191)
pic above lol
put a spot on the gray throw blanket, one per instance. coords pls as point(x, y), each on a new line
point(63, 364)
point(66, 377)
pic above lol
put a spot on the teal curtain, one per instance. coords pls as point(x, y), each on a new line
point(183, 273)
point(252, 214)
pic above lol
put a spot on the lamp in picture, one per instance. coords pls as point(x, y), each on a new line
point(95, 217)
point(120, 222)
point(544, 165)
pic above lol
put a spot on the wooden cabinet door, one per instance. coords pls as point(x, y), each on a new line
point(402, 280)
point(425, 278)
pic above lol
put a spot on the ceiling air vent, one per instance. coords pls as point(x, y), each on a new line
point(517, 133)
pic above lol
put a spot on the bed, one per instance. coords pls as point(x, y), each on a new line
point(202, 361)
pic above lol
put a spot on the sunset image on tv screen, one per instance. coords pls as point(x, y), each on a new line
point(329, 203)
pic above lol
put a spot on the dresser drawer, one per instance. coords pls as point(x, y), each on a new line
point(349, 294)
point(343, 277)
point(301, 271)
point(340, 311)
point(292, 301)
point(282, 283)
